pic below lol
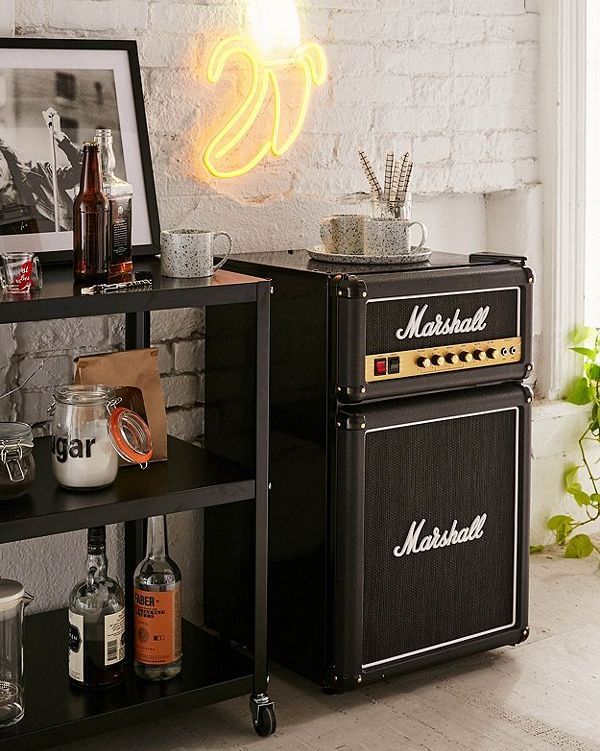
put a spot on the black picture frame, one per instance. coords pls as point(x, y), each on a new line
point(130, 47)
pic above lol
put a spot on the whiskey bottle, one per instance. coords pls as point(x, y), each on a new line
point(90, 221)
point(157, 603)
point(96, 622)
point(120, 194)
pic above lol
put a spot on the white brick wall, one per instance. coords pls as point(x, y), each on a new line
point(454, 81)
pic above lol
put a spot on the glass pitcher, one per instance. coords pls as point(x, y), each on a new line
point(13, 600)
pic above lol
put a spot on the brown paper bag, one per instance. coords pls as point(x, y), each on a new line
point(135, 377)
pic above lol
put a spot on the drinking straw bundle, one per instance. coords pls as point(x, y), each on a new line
point(395, 181)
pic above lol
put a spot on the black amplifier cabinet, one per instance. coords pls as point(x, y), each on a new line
point(399, 502)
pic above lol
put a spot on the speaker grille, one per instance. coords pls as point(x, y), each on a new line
point(438, 471)
point(386, 316)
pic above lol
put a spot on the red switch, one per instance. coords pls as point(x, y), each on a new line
point(380, 366)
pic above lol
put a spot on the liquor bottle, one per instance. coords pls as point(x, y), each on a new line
point(97, 621)
point(120, 194)
point(157, 614)
point(90, 221)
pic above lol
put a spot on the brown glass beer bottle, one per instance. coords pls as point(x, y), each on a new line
point(91, 221)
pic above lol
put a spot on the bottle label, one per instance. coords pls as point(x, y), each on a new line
point(157, 622)
point(120, 215)
point(114, 637)
point(76, 646)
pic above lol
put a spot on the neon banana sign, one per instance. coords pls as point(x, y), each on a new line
point(308, 58)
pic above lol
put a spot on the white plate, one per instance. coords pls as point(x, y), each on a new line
point(318, 253)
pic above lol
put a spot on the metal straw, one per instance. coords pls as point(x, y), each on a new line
point(371, 177)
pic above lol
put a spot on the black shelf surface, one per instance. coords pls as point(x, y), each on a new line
point(61, 298)
point(55, 712)
point(191, 478)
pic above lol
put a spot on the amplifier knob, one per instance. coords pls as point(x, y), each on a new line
point(466, 357)
point(493, 354)
point(480, 355)
point(451, 358)
point(423, 362)
point(438, 360)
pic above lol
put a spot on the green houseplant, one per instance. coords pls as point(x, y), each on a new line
point(586, 390)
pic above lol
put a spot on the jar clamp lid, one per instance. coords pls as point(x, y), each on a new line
point(129, 435)
point(16, 439)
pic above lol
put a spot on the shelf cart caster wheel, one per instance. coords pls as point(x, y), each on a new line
point(263, 715)
point(266, 723)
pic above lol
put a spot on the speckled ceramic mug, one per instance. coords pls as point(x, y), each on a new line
point(391, 237)
point(343, 233)
point(189, 253)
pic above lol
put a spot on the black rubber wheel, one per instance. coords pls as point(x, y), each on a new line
point(266, 724)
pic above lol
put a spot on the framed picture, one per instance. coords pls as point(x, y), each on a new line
point(53, 95)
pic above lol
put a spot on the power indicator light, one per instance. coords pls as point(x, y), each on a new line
point(380, 366)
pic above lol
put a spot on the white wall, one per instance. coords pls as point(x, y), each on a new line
point(454, 81)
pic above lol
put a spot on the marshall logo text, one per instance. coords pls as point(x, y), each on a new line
point(416, 329)
point(437, 539)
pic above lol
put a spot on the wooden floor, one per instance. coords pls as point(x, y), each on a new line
point(543, 695)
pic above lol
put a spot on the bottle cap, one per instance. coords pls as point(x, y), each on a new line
point(96, 538)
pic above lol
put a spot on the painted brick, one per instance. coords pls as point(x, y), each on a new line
point(187, 424)
point(483, 7)
point(130, 15)
point(176, 324)
point(504, 145)
point(361, 89)
point(487, 59)
point(182, 390)
point(190, 18)
point(8, 345)
point(385, 27)
point(189, 356)
point(70, 333)
point(470, 147)
point(432, 149)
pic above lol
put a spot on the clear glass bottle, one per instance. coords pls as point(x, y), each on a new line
point(120, 195)
point(157, 615)
point(97, 622)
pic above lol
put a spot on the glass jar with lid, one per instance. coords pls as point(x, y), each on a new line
point(17, 465)
point(89, 434)
point(13, 600)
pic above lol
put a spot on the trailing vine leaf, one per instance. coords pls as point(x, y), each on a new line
point(562, 526)
point(581, 393)
point(585, 351)
point(570, 479)
point(581, 498)
point(536, 549)
point(580, 481)
point(579, 546)
point(592, 371)
point(583, 334)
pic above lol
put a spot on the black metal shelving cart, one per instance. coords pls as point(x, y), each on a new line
point(192, 478)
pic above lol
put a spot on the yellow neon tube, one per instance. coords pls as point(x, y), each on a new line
point(310, 58)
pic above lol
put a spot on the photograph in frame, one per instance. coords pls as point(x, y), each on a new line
point(54, 94)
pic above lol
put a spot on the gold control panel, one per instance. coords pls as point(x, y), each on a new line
point(391, 365)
